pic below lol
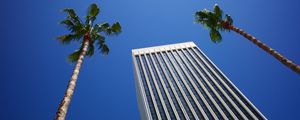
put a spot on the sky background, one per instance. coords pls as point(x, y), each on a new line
point(35, 72)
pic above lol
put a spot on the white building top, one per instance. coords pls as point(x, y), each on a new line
point(163, 48)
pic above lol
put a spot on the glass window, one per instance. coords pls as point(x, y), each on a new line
point(252, 109)
point(181, 84)
point(176, 102)
point(147, 92)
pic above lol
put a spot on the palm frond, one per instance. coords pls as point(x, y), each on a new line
point(104, 27)
point(72, 15)
point(115, 29)
point(213, 20)
point(228, 19)
point(93, 10)
point(67, 22)
point(218, 11)
point(215, 36)
point(97, 36)
point(103, 47)
point(201, 16)
point(74, 28)
point(79, 28)
point(66, 39)
point(74, 56)
point(207, 18)
point(91, 50)
point(72, 22)
point(79, 34)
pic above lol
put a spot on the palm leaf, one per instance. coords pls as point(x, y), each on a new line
point(72, 15)
point(228, 19)
point(79, 34)
point(116, 28)
point(73, 22)
point(93, 10)
point(207, 18)
point(97, 36)
point(66, 39)
point(91, 50)
point(74, 56)
point(102, 27)
point(218, 11)
point(201, 16)
point(215, 36)
point(74, 28)
point(67, 22)
point(109, 30)
point(212, 20)
point(103, 47)
point(71, 12)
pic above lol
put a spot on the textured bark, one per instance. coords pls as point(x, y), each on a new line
point(278, 56)
point(64, 104)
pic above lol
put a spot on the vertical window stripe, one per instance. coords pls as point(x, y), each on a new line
point(155, 91)
point(162, 86)
point(184, 62)
point(241, 97)
point(178, 105)
point(147, 91)
point(187, 79)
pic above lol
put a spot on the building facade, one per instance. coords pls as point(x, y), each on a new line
point(179, 82)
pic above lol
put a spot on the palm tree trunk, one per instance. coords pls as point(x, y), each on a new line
point(64, 104)
point(278, 56)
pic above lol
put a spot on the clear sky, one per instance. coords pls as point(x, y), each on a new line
point(34, 70)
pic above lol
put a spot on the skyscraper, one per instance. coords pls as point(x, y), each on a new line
point(179, 82)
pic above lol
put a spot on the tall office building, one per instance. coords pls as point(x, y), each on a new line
point(179, 82)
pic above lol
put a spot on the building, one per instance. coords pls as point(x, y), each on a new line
point(179, 82)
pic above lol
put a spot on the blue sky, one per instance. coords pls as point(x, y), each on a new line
point(34, 70)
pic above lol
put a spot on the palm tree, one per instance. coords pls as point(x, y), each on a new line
point(216, 22)
point(87, 34)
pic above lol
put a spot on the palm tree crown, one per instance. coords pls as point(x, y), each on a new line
point(214, 21)
point(88, 31)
